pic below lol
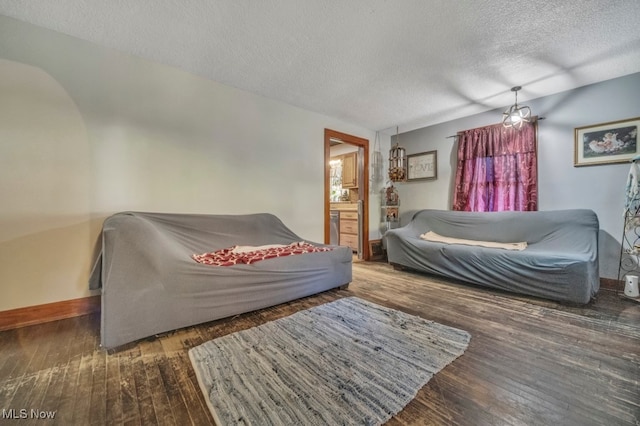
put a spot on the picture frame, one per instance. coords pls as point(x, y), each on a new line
point(606, 143)
point(376, 250)
point(422, 166)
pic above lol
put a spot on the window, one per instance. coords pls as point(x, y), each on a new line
point(497, 169)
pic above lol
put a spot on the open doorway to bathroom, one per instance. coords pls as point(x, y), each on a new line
point(346, 194)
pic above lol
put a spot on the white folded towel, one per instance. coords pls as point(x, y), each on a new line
point(432, 236)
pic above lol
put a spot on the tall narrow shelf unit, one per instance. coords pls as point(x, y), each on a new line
point(630, 244)
point(630, 247)
point(390, 209)
point(390, 217)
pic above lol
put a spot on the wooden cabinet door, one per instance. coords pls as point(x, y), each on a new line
point(350, 170)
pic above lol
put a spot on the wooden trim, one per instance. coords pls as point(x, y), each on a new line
point(611, 284)
point(39, 314)
point(363, 187)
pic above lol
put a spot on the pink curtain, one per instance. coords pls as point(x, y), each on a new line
point(497, 169)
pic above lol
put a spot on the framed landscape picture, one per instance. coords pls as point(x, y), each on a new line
point(606, 143)
point(422, 166)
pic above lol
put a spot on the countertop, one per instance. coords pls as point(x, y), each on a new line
point(343, 205)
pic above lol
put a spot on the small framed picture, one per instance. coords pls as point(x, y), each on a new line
point(422, 166)
point(376, 251)
point(606, 143)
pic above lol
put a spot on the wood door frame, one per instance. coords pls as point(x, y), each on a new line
point(362, 186)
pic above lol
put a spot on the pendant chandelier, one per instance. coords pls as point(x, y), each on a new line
point(516, 115)
point(397, 161)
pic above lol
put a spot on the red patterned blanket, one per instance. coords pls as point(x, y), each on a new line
point(234, 255)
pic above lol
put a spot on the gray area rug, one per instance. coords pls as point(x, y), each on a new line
point(346, 362)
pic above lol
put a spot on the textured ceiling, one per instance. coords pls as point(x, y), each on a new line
point(375, 63)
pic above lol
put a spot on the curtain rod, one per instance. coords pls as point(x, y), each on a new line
point(462, 131)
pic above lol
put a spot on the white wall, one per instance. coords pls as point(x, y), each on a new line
point(561, 185)
point(86, 131)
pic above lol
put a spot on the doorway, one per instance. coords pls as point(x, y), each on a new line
point(332, 136)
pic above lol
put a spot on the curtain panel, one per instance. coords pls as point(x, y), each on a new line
point(497, 169)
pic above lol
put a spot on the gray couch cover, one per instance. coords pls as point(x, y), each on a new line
point(150, 284)
point(559, 263)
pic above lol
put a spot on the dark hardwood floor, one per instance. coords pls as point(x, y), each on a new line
point(530, 361)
